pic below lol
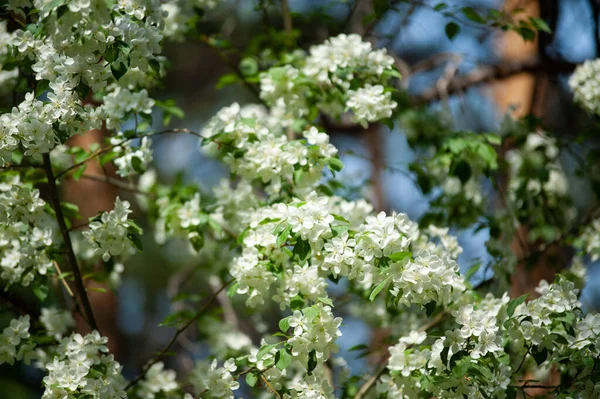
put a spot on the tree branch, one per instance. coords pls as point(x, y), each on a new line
point(66, 237)
point(485, 74)
point(366, 387)
point(176, 335)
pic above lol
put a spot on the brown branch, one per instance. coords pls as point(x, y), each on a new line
point(110, 147)
point(382, 363)
point(116, 183)
point(176, 336)
point(72, 259)
point(486, 74)
point(286, 15)
point(17, 304)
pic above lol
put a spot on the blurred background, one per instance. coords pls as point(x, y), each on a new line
point(473, 81)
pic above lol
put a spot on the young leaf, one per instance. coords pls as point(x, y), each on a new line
point(472, 15)
point(398, 256)
point(283, 359)
point(264, 350)
point(252, 379)
point(378, 289)
point(512, 305)
point(452, 29)
point(284, 324)
point(312, 361)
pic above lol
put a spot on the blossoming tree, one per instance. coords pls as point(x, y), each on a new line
point(279, 232)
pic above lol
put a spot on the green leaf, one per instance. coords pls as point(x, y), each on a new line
point(512, 305)
point(41, 87)
point(430, 308)
point(335, 164)
point(79, 172)
point(359, 347)
point(197, 241)
point(472, 270)
point(540, 24)
point(227, 79)
point(378, 289)
point(312, 361)
point(296, 303)
point(527, 34)
point(107, 157)
point(340, 218)
point(488, 154)
point(135, 239)
point(326, 301)
point(283, 236)
point(302, 250)
point(41, 292)
point(136, 164)
point(452, 29)
point(493, 139)
point(249, 66)
point(264, 350)
point(118, 70)
point(472, 15)
point(96, 289)
point(540, 356)
point(51, 5)
point(252, 378)
point(231, 291)
point(399, 256)
point(462, 170)
point(283, 359)
point(284, 324)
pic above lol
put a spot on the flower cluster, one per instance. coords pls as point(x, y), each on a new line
point(97, 48)
point(112, 232)
point(79, 368)
point(538, 151)
point(130, 160)
point(332, 68)
point(589, 240)
point(370, 104)
point(157, 380)
point(256, 150)
point(217, 380)
point(121, 103)
point(315, 331)
point(180, 14)
point(39, 126)
point(14, 342)
point(586, 85)
point(56, 321)
point(26, 232)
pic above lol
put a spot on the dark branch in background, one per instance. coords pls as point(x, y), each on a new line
point(486, 74)
point(595, 4)
point(179, 331)
point(67, 239)
point(232, 65)
point(382, 363)
point(286, 15)
point(18, 304)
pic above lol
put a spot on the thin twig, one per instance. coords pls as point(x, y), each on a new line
point(67, 239)
point(62, 280)
point(269, 385)
point(116, 183)
point(286, 15)
point(382, 363)
point(487, 73)
point(175, 336)
point(110, 147)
